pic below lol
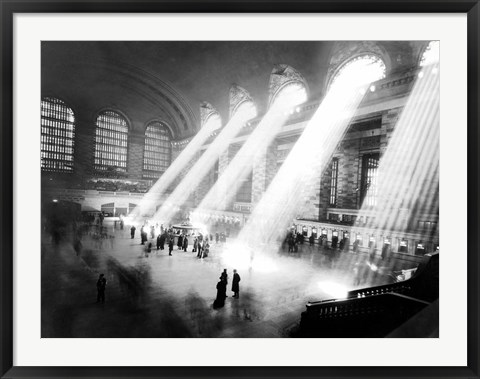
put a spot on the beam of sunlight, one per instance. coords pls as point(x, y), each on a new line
point(153, 196)
point(257, 143)
point(308, 158)
point(191, 180)
point(408, 172)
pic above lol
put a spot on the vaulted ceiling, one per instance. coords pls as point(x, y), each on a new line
point(169, 80)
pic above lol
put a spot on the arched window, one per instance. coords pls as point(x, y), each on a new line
point(213, 122)
point(287, 85)
point(363, 69)
point(111, 138)
point(292, 94)
point(246, 110)
point(57, 135)
point(158, 150)
point(431, 54)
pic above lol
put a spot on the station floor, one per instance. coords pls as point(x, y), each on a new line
point(162, 296)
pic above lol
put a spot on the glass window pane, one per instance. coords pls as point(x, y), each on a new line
point(58, 132)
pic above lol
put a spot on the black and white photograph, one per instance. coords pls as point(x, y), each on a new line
point(240, 189)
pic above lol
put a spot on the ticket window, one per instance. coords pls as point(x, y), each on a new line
point(420, 248)
point(403, 246)
point(371, 242)
point(305, 231)
point(346, 241)
point(334, 239)
point(358, 242)
point(386, 248)
point(314, 232)
point(323, 237)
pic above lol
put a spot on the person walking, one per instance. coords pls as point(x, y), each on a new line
point(101, 284)
point(132, 231)
point(185, 243)
point(170, 246)
point(236, 284)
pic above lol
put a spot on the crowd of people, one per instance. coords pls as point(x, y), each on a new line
point(168, 238)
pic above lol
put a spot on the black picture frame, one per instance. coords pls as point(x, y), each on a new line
point(10, 8)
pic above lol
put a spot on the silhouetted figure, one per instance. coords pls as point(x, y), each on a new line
point(163, 236)
point(159, 241)
point(195, 245)
point(180, 242)
point(334, 242)
point(236, 284)
point(224, 276)
point(132, 232)
point(121, 224)
point(170, 246)
point(152, 231)
point(77, 246)
point(185, 243)
point(206, 249)
point(311, 239)
point(221, 294)
point(101, 284)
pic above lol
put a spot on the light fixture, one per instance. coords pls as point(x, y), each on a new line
point(372, 88)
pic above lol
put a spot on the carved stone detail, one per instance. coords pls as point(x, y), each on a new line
point(281, 76)
point(344, 51)
point(238, 95)
point(206, 111)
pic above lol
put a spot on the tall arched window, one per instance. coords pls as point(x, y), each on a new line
point(158, 150)
point(111, 138)
point(57, 135)
point(431, 54)
point(292, 94)
point(363, 69)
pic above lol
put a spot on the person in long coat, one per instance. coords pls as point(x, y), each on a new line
point(224, 276)
point(185, 243)
point(221, 294)
point(162, 240)
point(159, 241)
point(236, 284)
point(132, 231)
point(170, 246)
point(180, 242)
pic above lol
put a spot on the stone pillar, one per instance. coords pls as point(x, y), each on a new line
point(264, 170)
point(84, 148)
point(136, 145)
